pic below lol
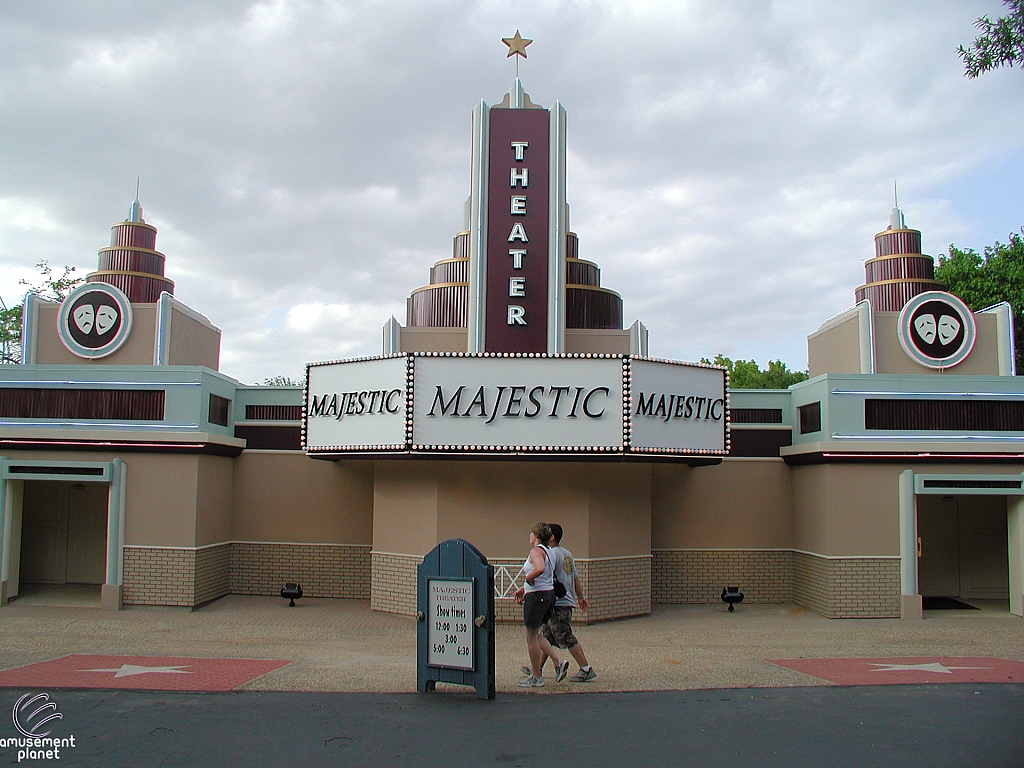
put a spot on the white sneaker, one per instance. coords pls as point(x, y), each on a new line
point(561, 670)
point(531, 682)
point(584, 676)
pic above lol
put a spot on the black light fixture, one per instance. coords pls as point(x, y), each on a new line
point(292, 592)
point(732, 595)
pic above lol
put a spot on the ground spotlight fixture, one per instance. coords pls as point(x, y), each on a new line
point(292, 592)
point(732, 595)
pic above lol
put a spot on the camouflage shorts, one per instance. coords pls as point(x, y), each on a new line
point(558, 629)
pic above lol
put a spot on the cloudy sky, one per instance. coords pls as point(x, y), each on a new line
point(307, 161)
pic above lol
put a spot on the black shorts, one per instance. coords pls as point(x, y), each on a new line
point(536, 606)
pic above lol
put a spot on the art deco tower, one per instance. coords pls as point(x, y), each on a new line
point(132, 262)
point(899, 271)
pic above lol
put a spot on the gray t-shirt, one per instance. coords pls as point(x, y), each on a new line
point(565, 572)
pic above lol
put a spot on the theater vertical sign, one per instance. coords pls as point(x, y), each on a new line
point(517, 227)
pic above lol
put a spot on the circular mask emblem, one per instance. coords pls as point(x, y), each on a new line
point(95, 320)
point(936, 329)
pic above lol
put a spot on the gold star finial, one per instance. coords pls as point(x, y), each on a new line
point(516, 45)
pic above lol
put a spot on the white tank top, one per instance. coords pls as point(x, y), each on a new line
point(546, 581)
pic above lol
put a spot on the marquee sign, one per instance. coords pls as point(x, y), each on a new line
point(936, 329)
point(515, 404)
point(95, 320)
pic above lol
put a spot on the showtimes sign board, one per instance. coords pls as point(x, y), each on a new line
point(519, 404)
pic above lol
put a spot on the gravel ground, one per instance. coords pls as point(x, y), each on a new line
point(341, 645)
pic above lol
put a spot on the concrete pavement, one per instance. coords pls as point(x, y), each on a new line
point(341, 645)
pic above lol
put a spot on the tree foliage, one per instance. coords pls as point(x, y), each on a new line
point(981, 280)
point(746, 374)
point(281, 381)
point(50, 288)
point(1001, 42)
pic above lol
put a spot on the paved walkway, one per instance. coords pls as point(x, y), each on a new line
point(341, 645)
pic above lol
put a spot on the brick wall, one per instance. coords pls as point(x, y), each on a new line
point(698, 576)
point(213, 573)
point(323, 570)
point(190, 577)
point(616, 587)
point(159, 576)
point(394, 582)
point(845, 588)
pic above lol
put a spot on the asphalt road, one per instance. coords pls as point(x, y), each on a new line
point(906, 726)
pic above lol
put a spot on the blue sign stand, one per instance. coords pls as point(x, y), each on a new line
point(455, 613)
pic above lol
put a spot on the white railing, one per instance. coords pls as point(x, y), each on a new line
point(507, 579)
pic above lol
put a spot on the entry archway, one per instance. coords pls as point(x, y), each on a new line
point(82, 477)
point(939, 496)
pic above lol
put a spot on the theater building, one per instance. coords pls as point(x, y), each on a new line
point(135, 473)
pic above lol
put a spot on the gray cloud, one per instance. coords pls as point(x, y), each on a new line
point(306, 162)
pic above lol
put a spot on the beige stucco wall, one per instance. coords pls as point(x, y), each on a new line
point(620, 510)
point(160, 509)
point(434, 339)
point(847, 509)
point(740, 503)
point(192, 342)
point(890, 357)
point(835, 349)
point(137, 350)
point(608, 341)
point(577, 340)
point(287, 497)
point(214, 500)
point(604, 508)
point(404, 507)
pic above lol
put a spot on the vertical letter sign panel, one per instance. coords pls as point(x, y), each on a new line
point(455, 609)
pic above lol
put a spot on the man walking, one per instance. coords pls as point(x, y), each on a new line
point(558, 627)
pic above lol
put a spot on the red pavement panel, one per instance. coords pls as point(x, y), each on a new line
point(151, 673)
point(909, 669)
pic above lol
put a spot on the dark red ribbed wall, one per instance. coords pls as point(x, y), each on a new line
point(898, 272)
point(445, 302)
point(132, 263)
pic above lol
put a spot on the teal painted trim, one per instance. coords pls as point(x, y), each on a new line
point(6, 511)
point(9, 470)
point(943, 485)
point(908, 533)
point(114, 522)
point(906, 395)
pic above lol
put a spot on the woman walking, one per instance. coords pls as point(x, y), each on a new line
point(538, 598)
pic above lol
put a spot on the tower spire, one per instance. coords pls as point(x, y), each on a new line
point(896, 220)
point(135, 213)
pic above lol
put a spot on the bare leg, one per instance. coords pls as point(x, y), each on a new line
point(577, 653)
point(546, 650)
point(539, 647)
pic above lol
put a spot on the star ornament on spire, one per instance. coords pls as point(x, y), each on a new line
point(516, 45)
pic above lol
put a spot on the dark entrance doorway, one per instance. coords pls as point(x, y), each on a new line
point(963, 547)
point(63, 536)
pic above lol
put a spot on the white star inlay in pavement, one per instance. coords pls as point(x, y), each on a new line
point(127, 670)
point(933, 666)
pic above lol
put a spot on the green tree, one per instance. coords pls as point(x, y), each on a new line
point(981, 280)
point(747, 374)
point(1001, 42)
point(281, 381)
point(50, 288)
